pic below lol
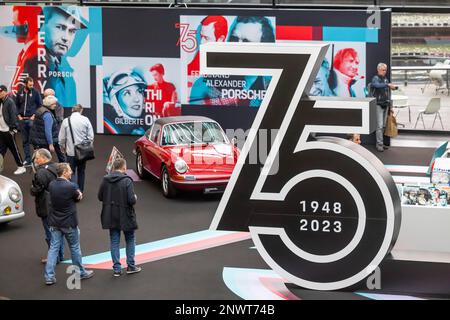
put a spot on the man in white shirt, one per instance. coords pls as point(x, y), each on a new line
point(82, 131)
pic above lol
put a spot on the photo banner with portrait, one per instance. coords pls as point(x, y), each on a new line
point(343, 71)
point(136, 92)
point(221, 90)
point(53, 46)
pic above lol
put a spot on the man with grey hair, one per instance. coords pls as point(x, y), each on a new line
point(44, 173)
point(380, 88)
point(74, 130)
point(58, 112)
point(45, 128)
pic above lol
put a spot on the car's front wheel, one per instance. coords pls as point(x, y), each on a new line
point(142, 173)
point(167, 187)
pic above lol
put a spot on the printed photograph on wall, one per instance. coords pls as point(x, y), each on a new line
point(137, 91)
point(221, 90)
point(343, 71)
point(51, 45)
point(426, 195)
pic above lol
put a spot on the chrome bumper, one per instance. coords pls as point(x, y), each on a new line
point(11, 217)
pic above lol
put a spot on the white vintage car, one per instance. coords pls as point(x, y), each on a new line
point(11, 200)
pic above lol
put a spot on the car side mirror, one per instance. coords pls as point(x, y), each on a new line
point(234, 141)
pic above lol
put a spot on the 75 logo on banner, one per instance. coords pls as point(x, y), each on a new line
point(323, 213)
point(187, 40)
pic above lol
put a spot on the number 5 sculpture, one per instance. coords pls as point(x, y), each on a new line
point(323, 213)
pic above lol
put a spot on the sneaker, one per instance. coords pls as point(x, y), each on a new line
point(20, 170)
point(380, 149)
point(50, 282)
point(58, 261)
point(117, 273)
point(27, 163)
point(133, 269)
point(385, 147)
point(88, 274)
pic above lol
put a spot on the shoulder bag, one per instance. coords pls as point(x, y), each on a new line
point(84, 151)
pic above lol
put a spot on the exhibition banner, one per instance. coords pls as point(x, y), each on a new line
point(51, 45)
point(223, 90)
point(137, 91)
point(133, 73)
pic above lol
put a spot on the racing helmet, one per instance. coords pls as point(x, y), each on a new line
point(120, 80)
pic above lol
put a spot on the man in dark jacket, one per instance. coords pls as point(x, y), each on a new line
point(44, 133)
point(8, 128)
point(28, 100)
point(63, 222)
point(45, 172)
point(380, 88)
point(58, 113)
point(118, 197)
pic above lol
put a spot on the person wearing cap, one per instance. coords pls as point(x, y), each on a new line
point(61, 25)
point(44, 133)
point(82, 131)
point(124, 90)
point(8, 128)
point(28, 100)
point(59, 116)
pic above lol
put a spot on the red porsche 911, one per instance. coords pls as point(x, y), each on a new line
point(186, 153)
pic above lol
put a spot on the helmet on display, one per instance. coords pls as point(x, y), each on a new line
point(120, 80)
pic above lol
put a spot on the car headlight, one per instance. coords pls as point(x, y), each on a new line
point(181, 166)
point(15, 195)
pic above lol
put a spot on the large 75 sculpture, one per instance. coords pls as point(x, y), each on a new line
point(323, 213)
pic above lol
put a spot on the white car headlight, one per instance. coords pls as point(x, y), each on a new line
point(14, 194)
point(181, 166)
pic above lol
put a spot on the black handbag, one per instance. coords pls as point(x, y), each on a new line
point(84, 151)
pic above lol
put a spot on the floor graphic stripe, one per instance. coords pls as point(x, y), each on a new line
point(256, 284)
point(167, 248)
point(259, 284)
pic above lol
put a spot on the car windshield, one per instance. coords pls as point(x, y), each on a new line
point(191, 133)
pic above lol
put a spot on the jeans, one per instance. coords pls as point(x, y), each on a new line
point(48, 238)
point(78, 169)
point(381, 124)
point(25, 128)
point(73, 238)
point(130, 239)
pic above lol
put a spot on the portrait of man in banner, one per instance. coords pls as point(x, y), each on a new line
point(25, 27)
point(161, 96)
point(60, 28)
point(51, 45)
point(224, 90)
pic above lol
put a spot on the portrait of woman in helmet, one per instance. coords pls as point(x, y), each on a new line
point(124, 103)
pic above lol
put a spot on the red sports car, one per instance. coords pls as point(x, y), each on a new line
point(186, 153)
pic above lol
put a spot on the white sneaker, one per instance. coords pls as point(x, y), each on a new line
point(20, 170)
